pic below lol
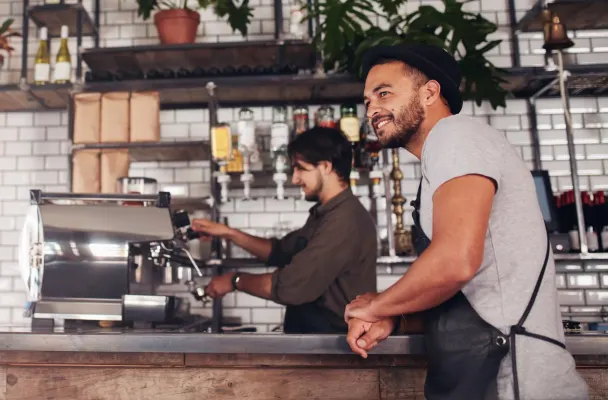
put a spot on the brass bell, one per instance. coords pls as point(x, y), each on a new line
point(556, 37)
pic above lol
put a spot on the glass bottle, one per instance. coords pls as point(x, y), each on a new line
point(300, 120)
point(42, 64)
point(325, 117)
point(63, 63)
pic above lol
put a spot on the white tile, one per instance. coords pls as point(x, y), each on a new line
point(17, 148)
point(561, 152)
point(121, 17)
point(45, 178)
point(604, 280)
point(16, 178)
point(174, 130)
point(247, 300)
point(583, 281)
point(17, 208)
point(386, 281)
point(46, 148)
point(276, 205)
point(565, 183)
point(8, 163)
point(266, 315)
point(263, 220)
point(519, 138)
point(47, 118)
point(249, 205)
point(189, 116)
point(238, 220)
point(597, 297)
point(30, 163)
point(9, 268)
point(56, 162)
point(167, 116)
point(19, 119)
point(598, 182)
point(8, 192)
point(5, 315)
point(161, 175)
point(597, 151)
point(57, 133)
point(188, 175)
point(571, 297)
point(6, 284)
point(560, 281)
point(133, 31)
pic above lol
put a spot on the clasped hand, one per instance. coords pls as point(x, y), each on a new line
point(365, 329)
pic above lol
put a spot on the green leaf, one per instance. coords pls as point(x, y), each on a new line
point(145, 8)
point(7, 24)
point(238, 17)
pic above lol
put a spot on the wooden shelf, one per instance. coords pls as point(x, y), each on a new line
point(34, 98)
point(53, 16)
point(157, 151)
point(201, 58)
point(575, 14)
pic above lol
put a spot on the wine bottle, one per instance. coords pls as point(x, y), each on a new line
point(42, 65)
point(63, 63)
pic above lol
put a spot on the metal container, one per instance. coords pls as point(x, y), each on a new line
point(78, 254)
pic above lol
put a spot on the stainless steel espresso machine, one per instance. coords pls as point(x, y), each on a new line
point(102, 257)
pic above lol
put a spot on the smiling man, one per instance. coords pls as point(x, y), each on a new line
point(484, 281)
point(325, 264)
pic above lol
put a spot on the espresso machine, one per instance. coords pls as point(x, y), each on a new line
point(101, 257)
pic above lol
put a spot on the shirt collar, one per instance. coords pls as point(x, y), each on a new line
point(322, 209)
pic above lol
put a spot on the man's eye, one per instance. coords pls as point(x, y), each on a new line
point(383, 93)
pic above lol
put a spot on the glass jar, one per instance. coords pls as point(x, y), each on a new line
point(325, 117)
point(300, 120)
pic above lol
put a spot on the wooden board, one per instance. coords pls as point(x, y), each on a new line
point(68, 383)
point(2, 382)
point(302, 360)
point(91, 359)
point(597, 379)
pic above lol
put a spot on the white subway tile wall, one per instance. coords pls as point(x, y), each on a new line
point(34, 150)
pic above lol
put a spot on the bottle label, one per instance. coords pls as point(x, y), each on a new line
point(246, 135)
point(42, 72)
point(350, 127)
point(222, 143)
point(279, 136)
point(63, 71)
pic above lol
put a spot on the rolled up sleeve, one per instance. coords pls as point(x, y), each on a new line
point(313, 269)
point(283, 249)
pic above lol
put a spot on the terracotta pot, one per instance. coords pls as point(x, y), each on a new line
point(177, 26)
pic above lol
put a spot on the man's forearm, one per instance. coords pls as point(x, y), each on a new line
point(430, 281)
point(259, 247)
point(259, 285)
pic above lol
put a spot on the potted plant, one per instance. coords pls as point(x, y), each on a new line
point(5, 33)
point(346, 32)
point(177, 22)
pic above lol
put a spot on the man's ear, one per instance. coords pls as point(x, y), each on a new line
point(431, 93)
point(325, 167)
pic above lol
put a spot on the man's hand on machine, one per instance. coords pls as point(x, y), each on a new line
point(209, 228)
point(219, 286)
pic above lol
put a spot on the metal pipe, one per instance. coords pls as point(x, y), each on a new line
point(536, 158)
point(80, 17)
point(389, 205)
point(515, 57)
point(278, 19)
point(97, 14)
point(572, 153)
point(26, 34)
point(544, 89)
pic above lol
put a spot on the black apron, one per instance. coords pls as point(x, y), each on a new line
point(312, 318)
point(464, 351)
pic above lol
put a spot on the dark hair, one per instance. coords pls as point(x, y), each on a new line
point(323, 144)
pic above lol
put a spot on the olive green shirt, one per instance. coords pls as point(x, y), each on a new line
point(330, 260)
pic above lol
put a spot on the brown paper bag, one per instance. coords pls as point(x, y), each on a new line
point(115, 117)
point(114, 165)
point(87, 117)
point(85, 171)
point(145, 117)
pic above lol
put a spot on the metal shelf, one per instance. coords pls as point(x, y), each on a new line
point(53, 16)
point(156, 151)
point(575, 14)
point(204, 58)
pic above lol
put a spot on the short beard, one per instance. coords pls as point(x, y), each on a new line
point(314, 196)
point(408, 122)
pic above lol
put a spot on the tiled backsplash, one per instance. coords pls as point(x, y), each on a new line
point(34, 150)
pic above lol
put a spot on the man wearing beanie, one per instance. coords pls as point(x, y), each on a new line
point(484, 281)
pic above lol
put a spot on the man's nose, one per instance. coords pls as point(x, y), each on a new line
point(372, 110)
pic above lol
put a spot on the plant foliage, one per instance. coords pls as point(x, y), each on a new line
point(239, 16)
point(5, 33)
point(349, 27)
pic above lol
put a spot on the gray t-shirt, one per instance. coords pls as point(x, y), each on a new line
point(514, 252)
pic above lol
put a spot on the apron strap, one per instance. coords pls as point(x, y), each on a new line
point(519, 329)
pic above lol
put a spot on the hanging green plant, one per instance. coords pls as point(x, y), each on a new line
point(346, 32)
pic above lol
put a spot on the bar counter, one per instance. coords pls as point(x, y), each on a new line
point(119, 364)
